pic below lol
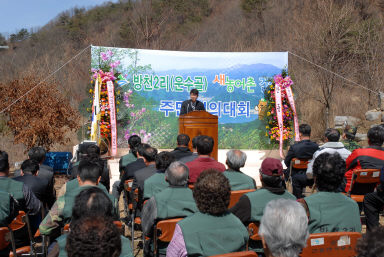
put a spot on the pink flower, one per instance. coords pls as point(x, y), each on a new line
point(114, 64)
point(109, 53)
point(143, 110)
point(104, 56)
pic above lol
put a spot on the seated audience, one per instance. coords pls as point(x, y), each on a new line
point(284, 228)
point(39, 186)
point(373, 204)
point(26, 199)
point(94, 236)
point(133, 142)
point(371, 157)
point(204, 161)
point(182, 149)
point(90, 202)
point(238, 180)
point(141, 175)
point(194, 154)
point(156, 183)
point(371, 244)
point(331, 145)
point(61, 211)
point(130, 169)
point(250, 206)
point(213, 230)
point(303, 149)
point(92, 153)
point(329, 210)
point(175, 201)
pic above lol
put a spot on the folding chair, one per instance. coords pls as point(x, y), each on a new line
point(235, 196)
point(163, 231)
point(237, 254)
point(297, 164)
point(333, 244)
point(363, 181)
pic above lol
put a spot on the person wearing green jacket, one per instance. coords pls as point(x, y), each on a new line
point(329, 210)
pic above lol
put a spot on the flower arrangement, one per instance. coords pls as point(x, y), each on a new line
point(107, 70)
point(273, 132)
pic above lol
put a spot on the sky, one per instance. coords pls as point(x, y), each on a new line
point(18, 14)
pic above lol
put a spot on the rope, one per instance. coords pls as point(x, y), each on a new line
point(50, 75)
point(334, 73)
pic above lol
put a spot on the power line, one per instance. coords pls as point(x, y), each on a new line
point(334, 73)
point(50, 75)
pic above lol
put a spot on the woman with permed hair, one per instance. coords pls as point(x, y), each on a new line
point(329, 210)
point(213, 230)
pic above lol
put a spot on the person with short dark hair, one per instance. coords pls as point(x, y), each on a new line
point(328, 209)
point(192, 104)
point(61, 211)
point(175, 201)
point(157, 182)
point(90, 202)
point(250, 207)
point(204, 161)
point(39, 186)
point(303, 149)
point(371, 244)
point(283, 228)
point(332, 145)
point(182, 149)
point(371, 157)
point(237, 179)
point(213, 230)
point(133, 142)
point(143, 174)
point(92, 153)
point(194, 154)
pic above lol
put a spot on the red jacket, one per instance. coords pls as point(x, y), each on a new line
point(371, 157)
point(200, 164)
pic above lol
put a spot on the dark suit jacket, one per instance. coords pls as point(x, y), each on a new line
point(45, 171)
point(186, 106)
point(40, 187)
point(139, 178)
point(129, 171)
point(181, 152)
point(302, 150)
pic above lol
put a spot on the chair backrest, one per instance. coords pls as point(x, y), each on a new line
point(364, 181)
point(4, 237)
point(333, 244)
point(235, 196)
point(128, 185)
point(163, 232)
point(253, 230)
point(237, 254)
point(18, 222)
point(300, 164)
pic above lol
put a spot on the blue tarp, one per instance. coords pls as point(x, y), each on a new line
point(59, 161)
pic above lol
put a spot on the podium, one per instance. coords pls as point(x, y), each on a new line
point(198, 123)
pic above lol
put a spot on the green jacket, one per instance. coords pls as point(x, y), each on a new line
point(5, 208)
point(260, 198)
point(126, 250)
point(125, 160)
point(332, 212)
point(206, 235)
point(154, 184)
point(239, 180)
point(13, 187)
point(61, 211)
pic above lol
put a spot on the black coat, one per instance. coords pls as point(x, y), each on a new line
point(186, 107)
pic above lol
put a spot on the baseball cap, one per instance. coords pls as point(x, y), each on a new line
point(271, 167)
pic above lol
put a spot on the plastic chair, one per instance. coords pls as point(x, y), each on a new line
point(253, 230)
point(235, 196)
point(237, 254)
point(163, 231)
point(297, 164)
point(333, 244)
point(363, 181)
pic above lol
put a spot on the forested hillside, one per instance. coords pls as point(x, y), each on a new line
point(342, 36)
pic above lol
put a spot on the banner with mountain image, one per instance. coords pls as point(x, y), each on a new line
point(154, 83)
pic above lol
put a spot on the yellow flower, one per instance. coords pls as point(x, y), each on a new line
point(118, 92)
point(91, 91)
point(268, 113)
point(117, 102)
point(117, 110)
point(266, 134)
point(267, 127)
point(90, 101)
